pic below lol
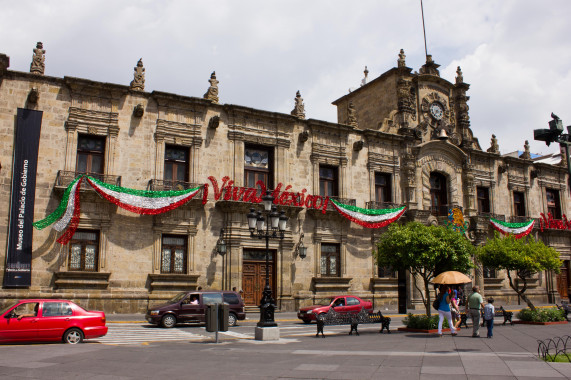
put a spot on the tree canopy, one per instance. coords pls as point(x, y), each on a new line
point(526, 256)
point(424, 251)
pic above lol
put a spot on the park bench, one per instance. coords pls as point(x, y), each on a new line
point(332, 318)
point(566, 309)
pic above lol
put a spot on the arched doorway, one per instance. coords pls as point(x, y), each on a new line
point(438, 195)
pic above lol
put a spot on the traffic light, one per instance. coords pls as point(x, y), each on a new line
point(552, 134)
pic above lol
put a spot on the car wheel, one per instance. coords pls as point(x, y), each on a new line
point(168, 321)
point(232, 320)
point(73, 336)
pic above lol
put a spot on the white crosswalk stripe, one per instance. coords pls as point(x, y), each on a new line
point(125, 334)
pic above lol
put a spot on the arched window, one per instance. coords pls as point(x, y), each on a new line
point(438, 195)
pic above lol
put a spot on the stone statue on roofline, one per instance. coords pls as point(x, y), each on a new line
point(212, 92)
point(138, 82)
point(38, 65)
point(526, 155)
point(459, 76)
point(495, 147)
point(299, 109)
point(401, 61)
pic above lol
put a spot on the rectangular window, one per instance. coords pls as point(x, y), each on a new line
point(328, 181)
point(483, 194)
point(330, 260)
point(173, 256)
point(176, 166)
point(90, 154)
point(387, 272)
point(519, 203)
point(84, 251)
point(553, 203)
point(489, 272)
point(56, 309)
point(383, 188)
point(258, 166)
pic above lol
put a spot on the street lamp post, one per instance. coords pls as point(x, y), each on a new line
point(268, 224)
point(555, 134)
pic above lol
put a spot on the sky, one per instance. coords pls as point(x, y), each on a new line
point(515, 54)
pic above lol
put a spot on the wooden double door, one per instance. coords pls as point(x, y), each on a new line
point(254, 275)
point(563, 281)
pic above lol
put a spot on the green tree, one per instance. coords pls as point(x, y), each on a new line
point(423, 250)
point(525, 256)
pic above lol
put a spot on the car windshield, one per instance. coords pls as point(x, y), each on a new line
point(178, 297)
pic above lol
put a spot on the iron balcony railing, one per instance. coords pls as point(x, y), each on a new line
point(65, 177)
point(380, 205)
point(167, 185)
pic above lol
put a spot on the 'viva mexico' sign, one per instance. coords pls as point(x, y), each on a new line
point(228, 192)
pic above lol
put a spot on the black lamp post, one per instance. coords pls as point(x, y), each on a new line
point(555, 134)
point(268, 224)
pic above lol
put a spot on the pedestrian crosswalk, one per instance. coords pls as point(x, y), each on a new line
point(141, 333)
point(135, 333)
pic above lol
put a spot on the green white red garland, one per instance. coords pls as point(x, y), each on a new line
point(137, 201)
point(519, 230)
point(367, 217)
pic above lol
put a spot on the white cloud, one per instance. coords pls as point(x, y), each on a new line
point(514, 54)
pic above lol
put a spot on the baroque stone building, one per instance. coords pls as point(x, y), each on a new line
point(403, 138)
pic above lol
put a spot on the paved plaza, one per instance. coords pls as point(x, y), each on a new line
point(511, 354)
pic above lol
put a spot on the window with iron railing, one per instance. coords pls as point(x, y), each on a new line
point(483, 194)
point(328, 181)
point(90, 154)
point(258, 166)
point(330, 259)
point(84, 251)
point(173, 254)
point(519, 203)
point(176, 165)
point(553, 203)
point(438, 195)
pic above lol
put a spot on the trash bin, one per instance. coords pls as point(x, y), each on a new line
point(223, 316)
point(211, 317)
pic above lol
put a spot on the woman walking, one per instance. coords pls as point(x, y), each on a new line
point(444, 310)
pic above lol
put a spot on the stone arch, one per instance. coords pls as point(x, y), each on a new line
point(443, 167)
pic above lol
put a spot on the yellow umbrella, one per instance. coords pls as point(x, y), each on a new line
point(451, 277)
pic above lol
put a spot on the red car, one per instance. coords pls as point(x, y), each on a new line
point(341, 304)
point(42, 320)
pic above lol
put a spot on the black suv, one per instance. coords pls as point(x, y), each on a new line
point(191, 307)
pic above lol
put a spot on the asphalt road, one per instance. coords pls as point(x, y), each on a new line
point(135, 350)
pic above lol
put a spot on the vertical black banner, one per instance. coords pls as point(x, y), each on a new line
point(18, 270)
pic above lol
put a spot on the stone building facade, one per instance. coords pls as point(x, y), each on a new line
point(403, 138)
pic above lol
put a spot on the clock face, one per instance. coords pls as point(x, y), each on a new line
point(436, 111)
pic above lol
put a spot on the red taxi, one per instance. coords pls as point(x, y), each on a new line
point(341, 304)
point(42, 320)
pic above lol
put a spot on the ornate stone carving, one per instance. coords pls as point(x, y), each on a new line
point(351, 115)
point(366, 77)
point(138, 82)
point(427, 119)
point(430, 67)
point(358, 145)
point(494, 146)
point(299, 109)
point(212, 92)
point(526, 153)
point(401, 61)
point(406, 98)
point(33, 96)
point(38, 65)
point(459, 76)
point(139, 110)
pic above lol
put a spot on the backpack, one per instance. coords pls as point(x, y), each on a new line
point(436, 303)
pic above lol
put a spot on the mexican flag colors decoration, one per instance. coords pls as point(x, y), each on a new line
point(138, 201)
point(519, 230)
point(369, 218)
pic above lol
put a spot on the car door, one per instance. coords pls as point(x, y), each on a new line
point(14, 329)
point(189, 311)
point(339, 305)
point(353, 305)
point(53, 320)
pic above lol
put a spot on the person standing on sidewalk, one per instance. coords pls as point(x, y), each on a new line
point(444, 310)
point(489, 311)
point(475, 302)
